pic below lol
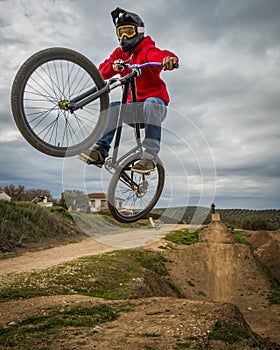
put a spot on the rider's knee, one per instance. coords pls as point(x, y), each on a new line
point(155, 108)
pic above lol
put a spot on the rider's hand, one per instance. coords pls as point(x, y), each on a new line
point(168, 62)
point(117, 67)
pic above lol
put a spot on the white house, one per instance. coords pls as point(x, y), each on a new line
point(43, 201)
point(4, 196)
point(98, 201)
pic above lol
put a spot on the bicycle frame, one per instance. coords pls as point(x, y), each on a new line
point(128, 81)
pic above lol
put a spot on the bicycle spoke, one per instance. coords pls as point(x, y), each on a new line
point(48, 89)
point(137, 191)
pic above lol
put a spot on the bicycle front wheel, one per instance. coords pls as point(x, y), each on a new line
point(42, 88)
point(131, 195)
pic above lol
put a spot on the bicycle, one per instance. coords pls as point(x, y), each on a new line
point(60, 104)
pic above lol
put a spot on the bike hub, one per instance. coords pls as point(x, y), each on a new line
point(64, 104)
point(142, 189)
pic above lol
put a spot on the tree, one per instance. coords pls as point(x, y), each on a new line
point(16, 193)
point(62, 201)
point(19, 193)
point(77, 200)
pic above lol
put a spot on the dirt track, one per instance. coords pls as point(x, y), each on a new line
point(97, 244)
point(210, 274)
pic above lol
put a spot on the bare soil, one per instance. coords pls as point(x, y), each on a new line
point(268, 248)
point(224, 271)
point(219, 279)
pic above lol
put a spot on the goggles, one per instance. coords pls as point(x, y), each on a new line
point(128, 30)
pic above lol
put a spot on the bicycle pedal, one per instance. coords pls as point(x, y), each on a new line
point(99, 165)
point(85, 158)
point(140, 172)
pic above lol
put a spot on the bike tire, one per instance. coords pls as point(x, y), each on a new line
point(136, 203)
point(42, 84)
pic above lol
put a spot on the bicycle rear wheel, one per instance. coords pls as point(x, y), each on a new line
point(43, 86)
point(131, 195)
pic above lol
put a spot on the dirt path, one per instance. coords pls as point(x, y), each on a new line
point(97, 244)
point(45, 258)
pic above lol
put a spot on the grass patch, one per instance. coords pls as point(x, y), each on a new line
point(24, 224)
point(60, 211)
point(174, 287)
point(274, 295)
point(112, 275)
point(28, 333)
point(190, 283)
point(183, 236)
point(242, 238)
point(150, 335)
point(232, 332)
point(167, 246)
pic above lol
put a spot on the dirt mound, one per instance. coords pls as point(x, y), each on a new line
point(268, 248)
point(258, 238)
point(220, 270)
point(151, 323)
point(151, 285)
point(165, 323)
point(220, 273)
point(216, 232)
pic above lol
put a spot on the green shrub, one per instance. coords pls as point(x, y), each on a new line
point(24, 222)
point(61, 211)
point(183, 236)
point(112, 275)
point(232, 332)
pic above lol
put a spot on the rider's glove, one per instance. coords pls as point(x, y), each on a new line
point(117, 65)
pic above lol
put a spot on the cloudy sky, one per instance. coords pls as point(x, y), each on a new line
point(221, 136)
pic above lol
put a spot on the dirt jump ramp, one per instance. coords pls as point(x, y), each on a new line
point(218, 269)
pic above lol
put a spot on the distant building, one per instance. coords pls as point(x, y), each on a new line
point(98, 201)
point(4, 196)
point(43, 201)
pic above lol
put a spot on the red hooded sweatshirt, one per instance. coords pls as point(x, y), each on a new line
point(149, 83)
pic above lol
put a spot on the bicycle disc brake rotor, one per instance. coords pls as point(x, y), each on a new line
point(142, 189)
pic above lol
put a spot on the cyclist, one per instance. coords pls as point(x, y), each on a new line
point(135, 48)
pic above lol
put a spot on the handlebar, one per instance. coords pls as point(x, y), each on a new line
point(140, 66)
point(113, 83)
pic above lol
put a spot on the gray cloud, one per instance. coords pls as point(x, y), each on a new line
point(221, 136)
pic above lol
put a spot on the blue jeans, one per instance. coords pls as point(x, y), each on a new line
point(150, 113)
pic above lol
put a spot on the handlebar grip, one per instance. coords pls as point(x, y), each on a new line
point(174, 65)
point(121, 65)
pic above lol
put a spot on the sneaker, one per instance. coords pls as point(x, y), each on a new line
point(93, 156)
point(144, 166)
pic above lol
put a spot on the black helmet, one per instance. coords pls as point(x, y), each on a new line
point(122, 18)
